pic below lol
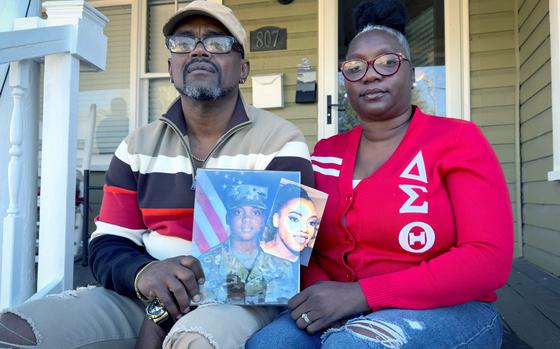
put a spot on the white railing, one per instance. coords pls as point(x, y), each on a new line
point(72, 35)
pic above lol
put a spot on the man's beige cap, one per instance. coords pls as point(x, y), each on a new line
point(211, 9)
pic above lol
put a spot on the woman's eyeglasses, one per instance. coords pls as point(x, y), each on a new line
point(212, 44)
point(386, 65)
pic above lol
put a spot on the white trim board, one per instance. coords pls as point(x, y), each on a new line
point(457, 59)
point(327, 67)
point(554, 16)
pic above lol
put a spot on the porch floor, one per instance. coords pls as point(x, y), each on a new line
point(529, 304)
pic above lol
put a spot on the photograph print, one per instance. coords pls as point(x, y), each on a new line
point(293, 222)
point(231, 211)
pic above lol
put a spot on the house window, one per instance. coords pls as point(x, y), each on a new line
point(157, 54)
point(155, 77)
point(109, 90)
point(554, 15)
point(161, 94)
point(158, 92)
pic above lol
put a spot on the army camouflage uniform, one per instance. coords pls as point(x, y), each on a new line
point(271, 280)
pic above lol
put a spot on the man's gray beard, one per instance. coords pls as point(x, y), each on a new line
point(203, 93)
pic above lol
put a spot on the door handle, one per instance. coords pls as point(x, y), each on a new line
point(329, 109)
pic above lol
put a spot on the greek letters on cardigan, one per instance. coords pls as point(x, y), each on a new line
point(415, 237)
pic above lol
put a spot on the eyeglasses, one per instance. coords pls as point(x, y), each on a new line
point(385, 65)
point(212, 44)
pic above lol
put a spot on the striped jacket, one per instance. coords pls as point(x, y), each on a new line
point(147, 207)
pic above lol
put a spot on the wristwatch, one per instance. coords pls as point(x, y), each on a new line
point(156, 312)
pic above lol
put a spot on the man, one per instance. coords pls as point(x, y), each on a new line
point(238, 271)
point(140, 249)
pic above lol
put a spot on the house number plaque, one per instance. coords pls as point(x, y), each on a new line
point(268, 39)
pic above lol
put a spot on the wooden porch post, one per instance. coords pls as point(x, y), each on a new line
point(58, 170)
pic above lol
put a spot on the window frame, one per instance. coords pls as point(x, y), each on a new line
point(100, 162)
point(145, 77)
point(139, 77)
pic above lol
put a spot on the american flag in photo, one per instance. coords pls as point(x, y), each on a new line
point(209, 215)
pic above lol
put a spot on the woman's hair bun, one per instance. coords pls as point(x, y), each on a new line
point(390, 13)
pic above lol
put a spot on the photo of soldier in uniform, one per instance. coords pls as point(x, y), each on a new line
point(231, 209)
point(294, 222)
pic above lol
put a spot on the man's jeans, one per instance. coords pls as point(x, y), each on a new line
point(97, 318)
point(471, 325)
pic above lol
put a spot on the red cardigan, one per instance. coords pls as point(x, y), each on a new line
point(432, 227)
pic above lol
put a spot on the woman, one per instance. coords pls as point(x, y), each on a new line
point(294, 223)
point(418, 232)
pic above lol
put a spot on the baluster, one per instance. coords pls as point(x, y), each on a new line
point(12, 284)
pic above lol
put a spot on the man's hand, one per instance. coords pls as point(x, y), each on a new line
point(326, 303)
point(174, 282)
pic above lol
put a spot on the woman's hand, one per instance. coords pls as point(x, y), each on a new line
point(326, 303)
point(151, 336)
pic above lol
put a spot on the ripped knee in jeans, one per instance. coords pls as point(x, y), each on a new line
point(385, 333)
point(189, 338)
point(16, 330)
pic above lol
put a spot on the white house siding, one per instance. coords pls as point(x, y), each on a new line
point(541, 198)
point(493, 81)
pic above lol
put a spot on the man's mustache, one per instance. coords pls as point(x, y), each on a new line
point(189, 66)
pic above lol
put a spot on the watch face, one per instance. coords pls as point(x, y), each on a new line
point(155, 310)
